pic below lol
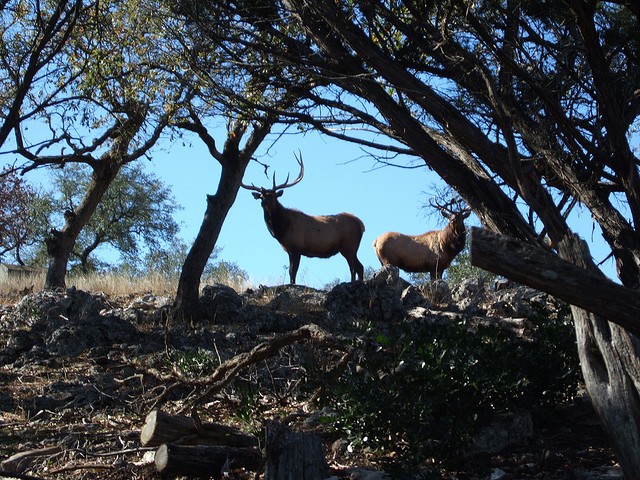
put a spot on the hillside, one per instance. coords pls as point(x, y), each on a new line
point(80, 372)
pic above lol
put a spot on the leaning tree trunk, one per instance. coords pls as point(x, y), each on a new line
point(608, 351)
point(609, 357)
point(61, 242)
point(185, 307)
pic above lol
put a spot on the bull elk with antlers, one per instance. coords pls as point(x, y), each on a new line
point(312, 236)
point(430, 252)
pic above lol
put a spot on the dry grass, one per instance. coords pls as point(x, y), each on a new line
point(110, 284)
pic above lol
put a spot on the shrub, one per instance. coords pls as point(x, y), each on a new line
point(426, 388)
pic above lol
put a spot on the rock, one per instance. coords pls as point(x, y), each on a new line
point(467, 306)
point(411, 297)
point(77, 336)
point(297, 299)
point(390, 276)
point(358, 301)
point(506, 429)
point(219, 303)
point(471, 288)
point(438, 292)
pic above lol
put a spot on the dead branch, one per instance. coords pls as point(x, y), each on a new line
point(547, 272)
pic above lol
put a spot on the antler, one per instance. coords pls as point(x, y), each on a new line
point(447, 206)
point(251, 187)
point(286, 184)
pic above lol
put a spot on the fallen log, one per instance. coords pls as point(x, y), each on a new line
point(205, 460)
point(20, 462)
point(161, 427)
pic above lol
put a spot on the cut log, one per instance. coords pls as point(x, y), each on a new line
point(293, 455)
point(160, 427)
point(205, 461)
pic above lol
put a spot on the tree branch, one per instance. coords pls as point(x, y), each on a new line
point(544, 271)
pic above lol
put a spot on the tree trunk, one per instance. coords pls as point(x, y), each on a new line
point(60, 243)
point(609, 357)
point(608, 353)
point(293, 455)
point(185, 307)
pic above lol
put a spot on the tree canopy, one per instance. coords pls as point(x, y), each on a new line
point(24, 215)
point(523, 107)
point(135, 214)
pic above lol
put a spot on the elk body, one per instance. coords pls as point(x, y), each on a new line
point(430, 252)
point(312, 236)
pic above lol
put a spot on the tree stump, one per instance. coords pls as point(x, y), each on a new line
point(160, 427)
point(293, 455)
point(205, 460)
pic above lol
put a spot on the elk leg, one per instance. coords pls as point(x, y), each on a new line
point(354, 266)
point(359, 270)
point(294, 263)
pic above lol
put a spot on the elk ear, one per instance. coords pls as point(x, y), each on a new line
point(279, 194)
point(256, 195)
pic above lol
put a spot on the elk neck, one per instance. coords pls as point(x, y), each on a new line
point(453, 238)
point(277, 218)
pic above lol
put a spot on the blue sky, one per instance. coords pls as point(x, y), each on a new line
point(339, 177)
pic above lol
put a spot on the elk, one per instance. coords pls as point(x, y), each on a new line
point(312, 236)
point(430, 252)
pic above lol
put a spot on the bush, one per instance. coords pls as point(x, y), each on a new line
point(428, 387)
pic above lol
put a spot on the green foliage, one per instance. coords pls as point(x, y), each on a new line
point(24, 216)
point(461, 268)
point(194, 363)
point(136, 213)
point(428, 387)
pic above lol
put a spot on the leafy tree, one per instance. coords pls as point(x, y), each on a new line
point(109, 108)
point(135, 213)
point(24, 215)
point(228, 86)
point(33, 35)
point(522, 107)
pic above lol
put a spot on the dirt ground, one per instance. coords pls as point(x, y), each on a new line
point(81, 417)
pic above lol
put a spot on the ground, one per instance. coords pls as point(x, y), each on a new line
point(90, 407)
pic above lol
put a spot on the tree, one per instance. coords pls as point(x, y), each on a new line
point(24, 215)
point(229, 86)
point(522, 107)
point(32, 38)
point(135, 213)
point(119, 96)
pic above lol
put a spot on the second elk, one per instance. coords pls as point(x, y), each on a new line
point(430, 252)
point(312, 236)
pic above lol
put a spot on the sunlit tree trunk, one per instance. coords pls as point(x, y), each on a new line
point(609, 361)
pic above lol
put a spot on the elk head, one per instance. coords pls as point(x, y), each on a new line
point(456, 216)
point(454, 231)
point(269, 196)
